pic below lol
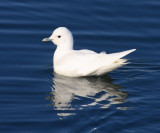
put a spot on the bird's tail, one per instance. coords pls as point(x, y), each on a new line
point(116, 57)
point(121, 61)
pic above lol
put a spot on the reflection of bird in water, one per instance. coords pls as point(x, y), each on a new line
point(99, 91)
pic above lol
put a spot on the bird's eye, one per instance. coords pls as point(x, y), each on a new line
point(59, 36)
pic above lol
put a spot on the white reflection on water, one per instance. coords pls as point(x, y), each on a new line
point(90, 91)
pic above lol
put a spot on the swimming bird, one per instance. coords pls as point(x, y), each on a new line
point(79, 63)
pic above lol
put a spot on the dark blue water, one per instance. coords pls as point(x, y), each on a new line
point(35, 100)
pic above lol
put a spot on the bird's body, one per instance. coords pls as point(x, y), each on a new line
point(77, 63)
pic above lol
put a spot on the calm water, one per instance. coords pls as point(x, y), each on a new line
point(35, 100)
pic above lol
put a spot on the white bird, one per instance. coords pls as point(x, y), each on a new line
point(78, 63)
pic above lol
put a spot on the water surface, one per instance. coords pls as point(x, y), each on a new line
point(33, 99)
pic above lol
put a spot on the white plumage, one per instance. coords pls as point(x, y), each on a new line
point(77, 63)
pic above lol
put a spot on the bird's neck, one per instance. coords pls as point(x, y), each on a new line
point(66, 46)
point(64, 49)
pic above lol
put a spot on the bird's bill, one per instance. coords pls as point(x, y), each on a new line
point(46, 39)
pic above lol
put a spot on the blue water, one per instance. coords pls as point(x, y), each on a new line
point(33, 99)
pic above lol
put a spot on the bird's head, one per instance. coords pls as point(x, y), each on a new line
point(60, 36)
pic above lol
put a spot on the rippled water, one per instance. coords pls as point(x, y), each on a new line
point(34, 99)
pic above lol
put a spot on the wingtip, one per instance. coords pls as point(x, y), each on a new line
point(132, 50)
